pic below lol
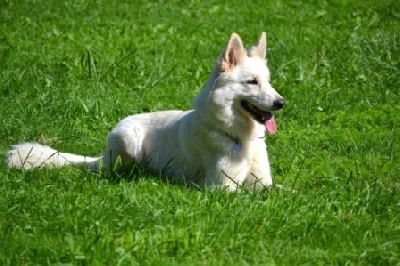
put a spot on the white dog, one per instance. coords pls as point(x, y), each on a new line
point(218, 144)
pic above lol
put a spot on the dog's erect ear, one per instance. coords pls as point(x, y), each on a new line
point(234, 53)
point(260, 49)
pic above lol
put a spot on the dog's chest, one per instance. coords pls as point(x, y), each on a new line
point(244, 149)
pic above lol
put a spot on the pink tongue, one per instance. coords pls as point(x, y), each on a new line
point(270, 125)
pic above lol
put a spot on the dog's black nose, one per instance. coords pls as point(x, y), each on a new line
point(279, 103)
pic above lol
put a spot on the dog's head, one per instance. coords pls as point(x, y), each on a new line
point(246, 73)
point(239, 94)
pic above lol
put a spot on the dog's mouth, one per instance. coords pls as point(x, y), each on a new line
point(263, 117)
point(259, 115)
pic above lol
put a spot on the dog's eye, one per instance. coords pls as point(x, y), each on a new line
point(252, 82)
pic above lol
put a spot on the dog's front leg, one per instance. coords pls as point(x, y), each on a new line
point(226, 174)
point(259, 176)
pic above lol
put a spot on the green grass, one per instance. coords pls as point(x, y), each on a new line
point(70, 70)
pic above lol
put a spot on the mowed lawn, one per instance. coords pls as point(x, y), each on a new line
point(70, 70)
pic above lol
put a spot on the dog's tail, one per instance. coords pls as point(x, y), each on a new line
point(33, 155)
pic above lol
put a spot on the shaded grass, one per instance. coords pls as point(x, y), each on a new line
point(71, 70)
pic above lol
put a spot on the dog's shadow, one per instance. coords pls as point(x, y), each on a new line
point(134, 173)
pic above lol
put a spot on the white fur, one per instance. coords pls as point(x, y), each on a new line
point(216, 145)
